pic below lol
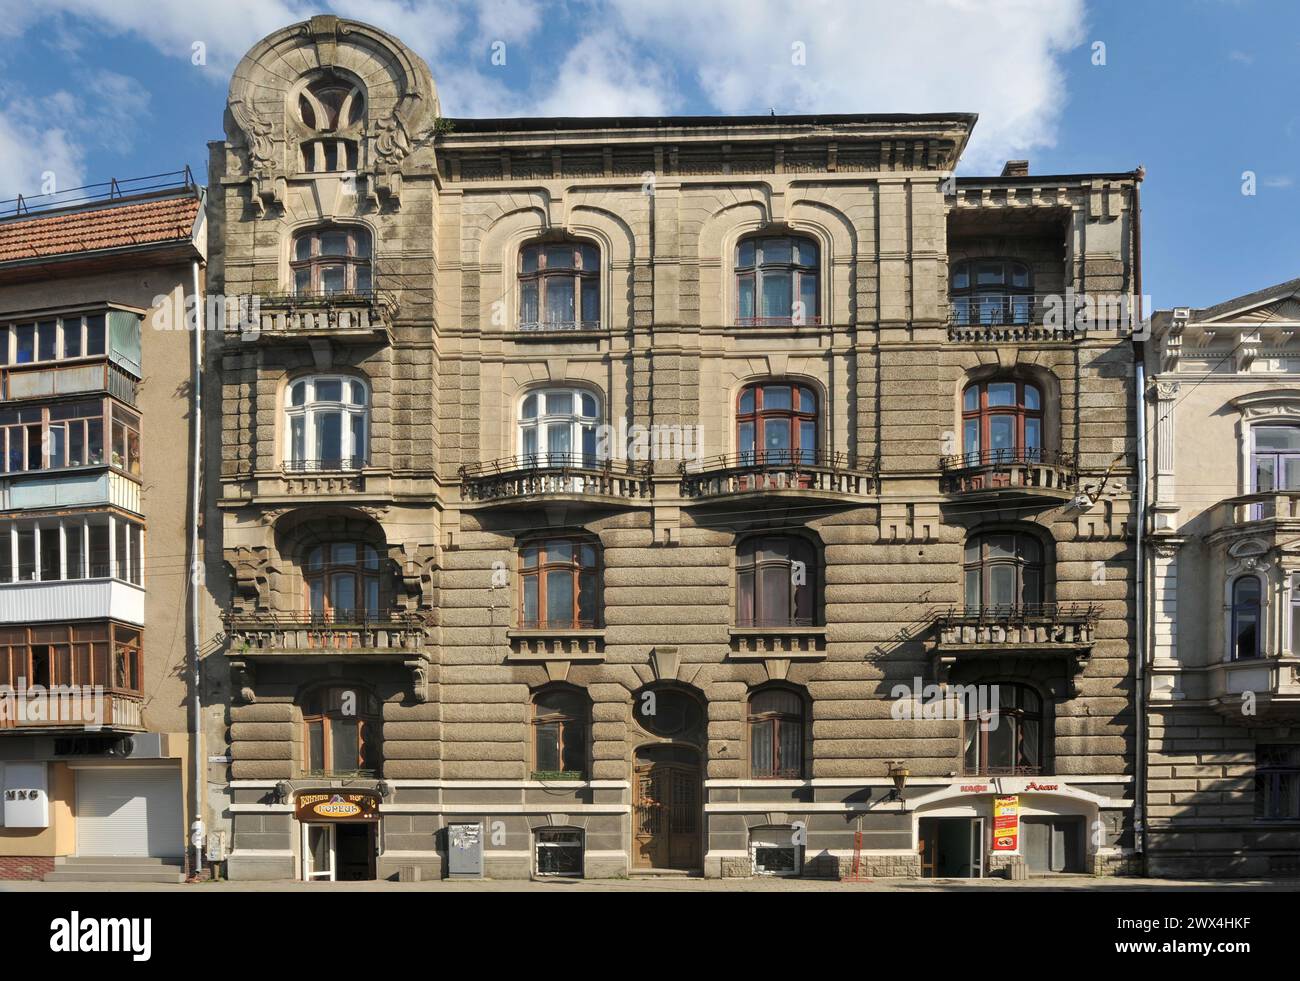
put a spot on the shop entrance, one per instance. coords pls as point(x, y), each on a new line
point(338, 851)
point(952, 848)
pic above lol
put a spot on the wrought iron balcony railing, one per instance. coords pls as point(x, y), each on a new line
point(1024, 625)
point(1011, 316)
point(1021, 468)
point(557, 326)
point(543, 474)
point(776, 470)
point(327, 464)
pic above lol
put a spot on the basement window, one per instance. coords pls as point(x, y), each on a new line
point(774, 852)
point(559, 853)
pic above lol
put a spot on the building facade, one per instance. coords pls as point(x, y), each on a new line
point(659, 496)
point(94, 508)
point(1223, 408)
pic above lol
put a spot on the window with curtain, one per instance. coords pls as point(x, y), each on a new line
point(331, 260)
point(558, 427)
point(559, 584)
point(327, 423)
point(70, 434)
point(1008, 739)
point(1002, 422)
point(992, 292)
point(776, 423)
point(342, 582)
point(559, 286)
point(776, 582)
point(560, 730)
point(1003, 571)
point(341, 733)
point(777, 280)
point(776, 730)
point(1247, 617)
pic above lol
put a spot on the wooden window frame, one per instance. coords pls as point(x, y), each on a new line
point(325, 717)
point(352, 456)
point(544, 566)
point(970, 298)
point(91, 656)
point(566, 722)
point(1015, 715)
point(761, 416)
point(9, 431)
point(761, 267)
point(584, 279)
point(984, 413)
point(984, 563)
point(359, 256)
point(809, 556)
point(1238, 609)
point(779, 721)
point(363, 576)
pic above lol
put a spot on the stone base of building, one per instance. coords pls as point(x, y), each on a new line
point(25, 867)
point(892, 866)
point(1223, 865)
point(260, 867)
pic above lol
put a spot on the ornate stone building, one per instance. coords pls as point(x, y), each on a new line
point(600, 496)
point(1223, 407)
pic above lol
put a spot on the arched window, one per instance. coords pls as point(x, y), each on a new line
point(559, 584)
point(777, 281)
point(776, 727)
point(776, 422)
point(776, 582)
point(1004, 571)
point(1246, 617)
point(334, 106)
point(331, 260)
point(557, 427)
point(670, 713)
point(992, 291)
point(327, 423)
point(1008, 736)
point(559, 286)
point(1002, 422)
point(342, 582)
point(341, 736)
point(560, 728)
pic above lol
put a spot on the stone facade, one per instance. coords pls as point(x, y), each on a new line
point(450, 351)
point(1223, 742)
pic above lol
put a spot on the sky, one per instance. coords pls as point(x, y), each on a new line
point(1200, 92)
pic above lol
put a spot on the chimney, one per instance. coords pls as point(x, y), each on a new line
point(1016, 168)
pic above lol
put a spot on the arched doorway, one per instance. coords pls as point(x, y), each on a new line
point(666, 817)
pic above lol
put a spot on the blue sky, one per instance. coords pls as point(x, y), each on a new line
point(1198, 91)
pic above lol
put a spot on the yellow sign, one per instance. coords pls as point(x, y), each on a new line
point(1006, 824)
point(336, 806)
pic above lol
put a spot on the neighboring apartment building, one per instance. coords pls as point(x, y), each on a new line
point(1224, 750)
point(94, 499)
point(595, 493)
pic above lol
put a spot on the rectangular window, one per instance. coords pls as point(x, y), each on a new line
point(74, 551)
point(50, 553)
point(1277, 782)
point(95, 335)
point(26, 554)
point(559, 853)
point(72, 337)
point(6, 558)
point(47, 336)
point(774, 852)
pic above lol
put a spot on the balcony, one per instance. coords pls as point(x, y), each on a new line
point(360, 315)
point(1262, 512)
point(1004, 474)
point(31, 490)
point(72, 599)
point(568, 640)
point(1037, 631)
point(776, 474)
point(523, 481)
point(1012, 317)
point(1273, 684)
point(325, 478)
point(553, 328)
point(64, 708)
point(341, 633)
point(40, 381)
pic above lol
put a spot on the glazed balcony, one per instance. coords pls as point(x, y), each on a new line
point(1036, 631)
point(101, 597)
point(340, 633)
point(50, 380)
point(776, 474)
point(1009, 473)
point(355, 315)
point(1274, 687)
point(1000, 318)
point(72, 708)
point(523, 481)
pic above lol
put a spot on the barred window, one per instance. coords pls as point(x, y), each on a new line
point(1277, 782)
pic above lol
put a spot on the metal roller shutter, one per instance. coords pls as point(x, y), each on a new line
point(129, 812)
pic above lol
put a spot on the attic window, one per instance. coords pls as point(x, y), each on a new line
point(330, 105)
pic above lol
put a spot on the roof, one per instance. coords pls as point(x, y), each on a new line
point(543, 123)
point(124, 224)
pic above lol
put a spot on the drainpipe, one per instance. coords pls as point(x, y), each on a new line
point(1139, 578)
point(196, 472)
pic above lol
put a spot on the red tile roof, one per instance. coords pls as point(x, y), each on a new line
point(123, 225)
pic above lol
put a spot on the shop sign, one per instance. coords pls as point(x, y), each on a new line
point(1006, 824)
point(336, 806)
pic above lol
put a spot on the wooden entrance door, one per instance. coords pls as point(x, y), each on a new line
point(666, 819)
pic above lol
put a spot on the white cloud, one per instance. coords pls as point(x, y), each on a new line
point(995, 57)
point(604, 75)
point(31, 151)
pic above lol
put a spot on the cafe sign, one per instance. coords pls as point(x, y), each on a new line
point(341, 805)
point(1006, 824)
